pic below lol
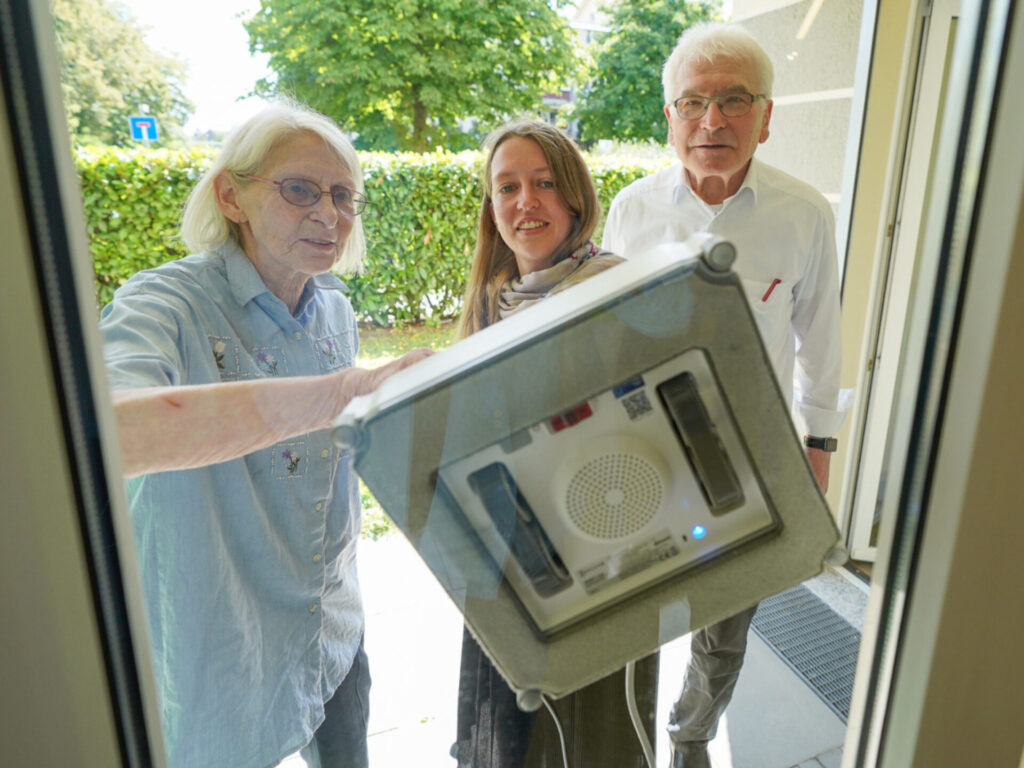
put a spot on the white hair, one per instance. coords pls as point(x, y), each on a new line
point(204, 227)
point(711, 41)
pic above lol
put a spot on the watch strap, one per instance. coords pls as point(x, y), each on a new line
point(828, 444)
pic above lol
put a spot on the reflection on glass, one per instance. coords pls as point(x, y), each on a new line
point(292, 485)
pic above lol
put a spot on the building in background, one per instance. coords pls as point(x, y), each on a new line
point(590, 19)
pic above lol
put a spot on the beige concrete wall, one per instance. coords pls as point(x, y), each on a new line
point(810, 130)
point(813, 90)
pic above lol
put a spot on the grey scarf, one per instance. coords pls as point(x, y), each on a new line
point(521, 292)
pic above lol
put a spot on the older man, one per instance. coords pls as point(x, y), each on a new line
point(718, 105)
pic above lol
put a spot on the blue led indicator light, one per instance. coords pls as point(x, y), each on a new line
point(699, 531)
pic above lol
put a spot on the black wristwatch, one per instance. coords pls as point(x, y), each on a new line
point(828, 444)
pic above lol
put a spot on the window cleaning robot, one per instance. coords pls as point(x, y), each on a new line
point(600, 474)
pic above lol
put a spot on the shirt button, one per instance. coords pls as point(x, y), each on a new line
point(318, 506)
point(324, 453)
point(313, 607)
point(317, 557)
point(298, 335)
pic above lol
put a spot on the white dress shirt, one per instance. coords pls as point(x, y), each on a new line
point(784, 233)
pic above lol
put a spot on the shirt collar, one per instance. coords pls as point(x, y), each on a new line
point(246, 283)
point(325, 282)
point(682, 186)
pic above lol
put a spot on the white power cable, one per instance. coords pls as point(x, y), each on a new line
point(558, 726)
point(634, 714)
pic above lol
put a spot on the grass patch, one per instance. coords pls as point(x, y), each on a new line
point(375, 522)
point(378, 346)
point(382, 345)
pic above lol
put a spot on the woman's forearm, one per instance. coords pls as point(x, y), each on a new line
point(165, 428)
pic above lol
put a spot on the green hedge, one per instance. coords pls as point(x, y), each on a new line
point(133, 200)
point(420, 229)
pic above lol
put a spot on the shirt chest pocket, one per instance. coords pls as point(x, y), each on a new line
point(227, 358)
point(771, 302)
point(335, 351)
point(235, 363)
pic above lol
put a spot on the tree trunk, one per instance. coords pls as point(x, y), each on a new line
point(418, 140)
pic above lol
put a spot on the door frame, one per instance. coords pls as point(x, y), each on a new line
point(898, 243)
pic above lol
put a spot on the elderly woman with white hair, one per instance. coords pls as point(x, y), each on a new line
point(227, 366)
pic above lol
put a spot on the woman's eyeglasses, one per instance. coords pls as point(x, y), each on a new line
point(305, 193)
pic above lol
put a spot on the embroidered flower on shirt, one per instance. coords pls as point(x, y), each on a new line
point(218, 354)
point(292, 458)
point(329, 351)
point(267, 363)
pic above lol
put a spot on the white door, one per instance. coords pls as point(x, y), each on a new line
point(894, 288)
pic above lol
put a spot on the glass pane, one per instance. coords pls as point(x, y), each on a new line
point(414, 627)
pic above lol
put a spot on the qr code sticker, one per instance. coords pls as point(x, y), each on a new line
point(636, 404)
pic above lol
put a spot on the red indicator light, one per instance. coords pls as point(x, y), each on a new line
point(582, 411)
point(571, 418)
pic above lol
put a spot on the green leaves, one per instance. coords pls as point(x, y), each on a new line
point(420, 227)
point(107, 71)
point(424, 211)
point(624, 99)
point(413, 74)
point(133, 201)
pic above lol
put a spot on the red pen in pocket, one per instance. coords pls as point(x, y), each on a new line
point(771, 288)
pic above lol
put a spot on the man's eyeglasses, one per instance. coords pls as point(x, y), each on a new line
point(305, 193)
point(736, 104)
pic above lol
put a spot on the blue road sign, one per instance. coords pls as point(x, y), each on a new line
point(143, 127)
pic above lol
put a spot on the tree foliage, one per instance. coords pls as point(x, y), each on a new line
point(624, 99)
point(107, 71)
point(406, 74)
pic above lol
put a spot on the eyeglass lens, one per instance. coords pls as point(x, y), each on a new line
point(731, 105)
point(305, 193)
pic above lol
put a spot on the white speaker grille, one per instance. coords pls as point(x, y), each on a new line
point(614, 495)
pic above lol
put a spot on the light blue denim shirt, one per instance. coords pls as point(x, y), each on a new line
point(248, 566)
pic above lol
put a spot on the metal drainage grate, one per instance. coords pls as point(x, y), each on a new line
point(817, 644)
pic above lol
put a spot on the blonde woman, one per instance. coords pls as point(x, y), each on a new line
point(538, 213)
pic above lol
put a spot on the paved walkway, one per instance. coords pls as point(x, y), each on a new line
point(414, 636)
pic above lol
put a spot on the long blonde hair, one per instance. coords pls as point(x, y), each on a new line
point(493, 261)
